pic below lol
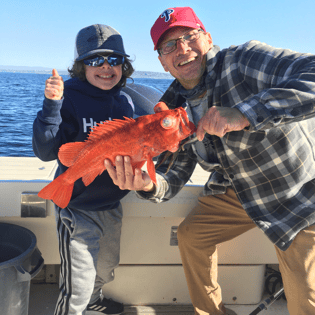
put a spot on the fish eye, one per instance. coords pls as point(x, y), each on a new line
point(167, 122)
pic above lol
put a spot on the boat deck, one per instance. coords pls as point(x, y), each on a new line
point(148, 247)
point(43, 298)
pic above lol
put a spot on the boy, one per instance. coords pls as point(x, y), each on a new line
point(89, 228)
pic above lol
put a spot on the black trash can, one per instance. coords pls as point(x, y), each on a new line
point(20, 261)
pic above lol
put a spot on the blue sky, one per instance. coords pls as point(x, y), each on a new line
point(42, 33)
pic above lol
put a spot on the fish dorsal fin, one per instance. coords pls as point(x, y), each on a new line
point(108, 127)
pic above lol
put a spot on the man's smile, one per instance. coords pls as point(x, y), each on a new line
point(187, 61)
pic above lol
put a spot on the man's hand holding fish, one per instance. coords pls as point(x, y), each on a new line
point(122, 175)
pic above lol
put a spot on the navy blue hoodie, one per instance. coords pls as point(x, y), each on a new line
point(70, 119)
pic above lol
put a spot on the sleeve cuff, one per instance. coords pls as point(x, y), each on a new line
point(257, 114)
point(158, 192)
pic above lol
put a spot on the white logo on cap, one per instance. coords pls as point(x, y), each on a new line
point(167, 14)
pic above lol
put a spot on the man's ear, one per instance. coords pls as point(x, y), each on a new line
point(163, 63)
point(209, 39)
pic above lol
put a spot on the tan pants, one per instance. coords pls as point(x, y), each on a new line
point(220, 218)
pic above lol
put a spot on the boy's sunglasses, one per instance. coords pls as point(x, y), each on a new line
point(97, 61)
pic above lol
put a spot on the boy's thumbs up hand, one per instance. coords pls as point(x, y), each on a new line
point(55, 73)
point(54, 86)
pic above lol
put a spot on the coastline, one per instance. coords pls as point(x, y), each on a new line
point(136, 74)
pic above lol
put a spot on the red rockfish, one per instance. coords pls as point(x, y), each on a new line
point(141, 139)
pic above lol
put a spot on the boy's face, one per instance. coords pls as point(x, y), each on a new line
point(104, 77)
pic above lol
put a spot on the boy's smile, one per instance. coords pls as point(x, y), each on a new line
point(104, 77)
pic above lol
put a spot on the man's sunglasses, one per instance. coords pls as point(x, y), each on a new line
point(97, 61)
point(171, 45)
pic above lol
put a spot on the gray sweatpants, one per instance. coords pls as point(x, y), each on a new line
point(89, 246)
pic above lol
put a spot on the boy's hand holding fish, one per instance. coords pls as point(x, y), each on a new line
point(54, 86)
point(122, 175)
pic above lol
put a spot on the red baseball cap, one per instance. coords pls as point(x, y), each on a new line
point(181, 16)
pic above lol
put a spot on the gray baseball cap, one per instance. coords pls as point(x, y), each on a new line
point(98, 39)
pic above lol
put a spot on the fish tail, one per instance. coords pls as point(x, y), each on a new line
point(59, 191)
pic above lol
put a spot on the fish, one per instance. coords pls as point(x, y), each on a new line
point(141, 139)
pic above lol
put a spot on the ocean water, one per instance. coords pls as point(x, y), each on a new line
point(21, 97)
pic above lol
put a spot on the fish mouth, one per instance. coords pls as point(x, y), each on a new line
point(186, 127)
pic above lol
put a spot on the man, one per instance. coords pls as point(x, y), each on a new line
point(254, 106)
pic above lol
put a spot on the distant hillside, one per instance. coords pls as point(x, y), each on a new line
point(151, 74)
point(28, 69)
point(137, 74)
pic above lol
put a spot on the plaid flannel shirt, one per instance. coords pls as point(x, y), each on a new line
point(271, 165)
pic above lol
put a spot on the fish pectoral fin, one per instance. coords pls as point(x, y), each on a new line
point(69, 152)
point(88, 178)
point(151, 169)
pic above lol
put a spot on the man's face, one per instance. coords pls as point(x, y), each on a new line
point(188, 62)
